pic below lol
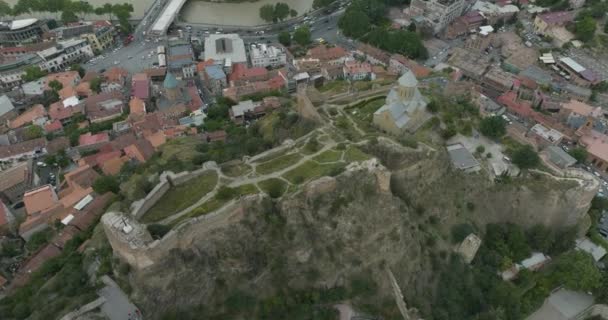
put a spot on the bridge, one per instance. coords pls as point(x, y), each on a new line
point(166, 17)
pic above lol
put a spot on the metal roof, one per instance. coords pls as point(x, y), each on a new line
point(572, 64)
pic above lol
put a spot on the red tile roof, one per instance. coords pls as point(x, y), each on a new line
point(324, 53)
point(40, 199)
point(140, 86)
point(35, 112)
point(90, 139)
point(67, 78)
point(53, 126)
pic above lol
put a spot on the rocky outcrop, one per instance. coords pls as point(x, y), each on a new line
point(365, 221)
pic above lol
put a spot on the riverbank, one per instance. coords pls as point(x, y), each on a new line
point(245, 13)
point(235, 14)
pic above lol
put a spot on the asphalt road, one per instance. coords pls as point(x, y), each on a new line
point(138, 51)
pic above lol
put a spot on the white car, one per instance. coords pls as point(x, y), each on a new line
point(116, 62)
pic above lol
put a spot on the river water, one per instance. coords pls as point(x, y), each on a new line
point(238, 14)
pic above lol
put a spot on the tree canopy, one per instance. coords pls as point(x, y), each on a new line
point(525, 157)
point(55, 85)
point(278, 12)
point(302, 36)
point(105, 184)
point(585, 28)
point(493, 127)
point(33, 73)
point(579, 153)
point(285, 38)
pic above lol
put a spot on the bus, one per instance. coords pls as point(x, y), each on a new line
point(162, 60)
point(161, 50)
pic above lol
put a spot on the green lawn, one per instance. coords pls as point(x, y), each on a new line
point(181, 197)
point(355, 154)
point(329, 156)
point(363, 113)
point(311, 170)
point(274, 187)
point(216, 202)
point(236, 169)
point(277, 164)
point(335, 86)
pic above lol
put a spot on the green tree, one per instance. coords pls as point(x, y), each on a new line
point(316, 4)
point(33, 132)
point(525, 157)
point(95, 84)
point(354, 23)
point(293, 13)
point(68, 15)
point(105, 184)
point(33, 73)
point(302, 36)
point(579, 153)
point(55, 85)
point(5, 9)
point(411, 27)
point(157, 231)
point(585, 28)
point(285, 38)
point(267, 12)
point(493, 127)
point(79, 68)
point(576, 270)
point(281, 11)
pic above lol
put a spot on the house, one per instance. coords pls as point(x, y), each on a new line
point(241, 74)
point(462, 159)
point(542, 137)
point(328, 55)
point(437, 14)
point(214, 78)
point(156, 139)
point(196, 118)
point(240, 111)
point(23, 150)
point(137, 108)
point(399, 64)
point(596, 251)
point(77, 184)
point(559, 157)
point(563, 304)
point(53, 127)
point(57, 111)
point(34, 115)
point(140, 86)
point(7, 110)
point(116, 75)
point(356, 71)
point(405, 107)
point(374, 55)
point(596, 145)
point(104, 106)
point(90, 141)
point(15, 181)
point(546, 21)
point(113, 165)
point(141, 150)
point(40, 199)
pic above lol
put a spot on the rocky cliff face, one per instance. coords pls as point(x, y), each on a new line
point(337, 228)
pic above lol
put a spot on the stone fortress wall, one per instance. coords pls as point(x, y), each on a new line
point(167, 180)
point(132, 242)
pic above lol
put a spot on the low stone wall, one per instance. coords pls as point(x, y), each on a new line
point(136, 246)
point(167, 179)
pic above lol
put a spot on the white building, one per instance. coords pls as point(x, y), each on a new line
point(225, 47)
point(437, 13)
point(65, 54)
point(263, 55)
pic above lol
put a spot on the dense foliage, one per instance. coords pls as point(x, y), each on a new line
point(477, 292)
point(277, 12)
point(493, 127)
point(365, 20)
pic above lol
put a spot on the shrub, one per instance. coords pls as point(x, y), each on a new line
point(226, 193)
point(461, 231)
point(157, 231)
